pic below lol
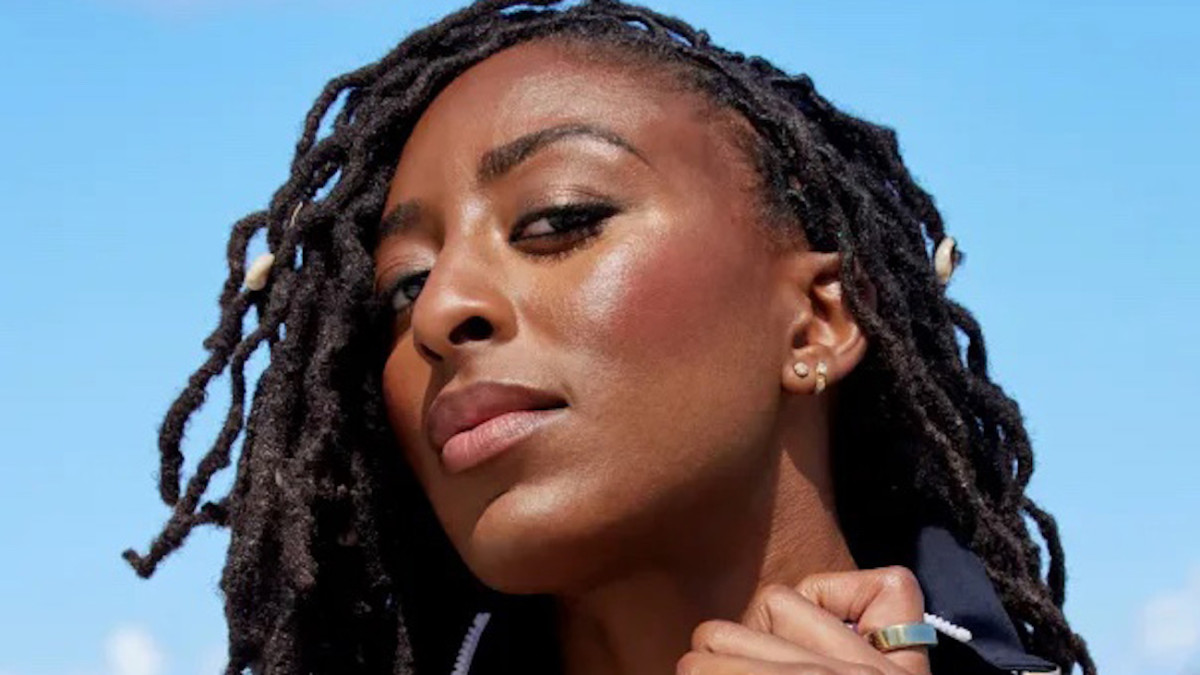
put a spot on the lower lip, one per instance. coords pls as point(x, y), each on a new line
point(477, 445)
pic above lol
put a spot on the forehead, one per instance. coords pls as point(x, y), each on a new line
point(540, 84)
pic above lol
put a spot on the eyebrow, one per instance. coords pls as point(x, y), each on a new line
point(500, 160)
point(400, 219)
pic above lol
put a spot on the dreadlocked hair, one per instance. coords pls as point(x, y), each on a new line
point(334, 548)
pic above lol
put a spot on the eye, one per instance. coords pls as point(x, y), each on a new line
point(404, 291)
point(573, 219)
point(548, 226)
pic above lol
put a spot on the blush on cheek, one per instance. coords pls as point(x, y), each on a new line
point(655, 298)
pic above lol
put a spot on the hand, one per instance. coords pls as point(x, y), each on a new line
point(803, 631)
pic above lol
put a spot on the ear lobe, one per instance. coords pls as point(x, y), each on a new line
point(828, 332)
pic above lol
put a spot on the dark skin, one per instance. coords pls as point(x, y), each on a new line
point(681, 508)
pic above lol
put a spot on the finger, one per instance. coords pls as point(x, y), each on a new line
point(734, 639)
point(783, 612)
point(703, 663)
point(873, 599)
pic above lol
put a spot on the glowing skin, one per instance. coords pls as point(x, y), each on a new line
point(685, 472)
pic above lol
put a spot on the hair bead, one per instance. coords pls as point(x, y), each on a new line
point(945, 258)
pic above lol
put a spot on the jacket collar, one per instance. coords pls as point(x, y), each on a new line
point(958, 590)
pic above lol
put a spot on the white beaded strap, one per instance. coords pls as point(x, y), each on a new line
point(466, 653)
point(948, 629)
point(963, 635)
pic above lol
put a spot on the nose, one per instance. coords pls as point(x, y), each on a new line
point(464, 304)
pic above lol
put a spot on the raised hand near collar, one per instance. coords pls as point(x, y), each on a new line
point(803, 630)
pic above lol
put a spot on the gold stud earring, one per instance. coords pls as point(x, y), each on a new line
point(801, 368)
point(822, 374)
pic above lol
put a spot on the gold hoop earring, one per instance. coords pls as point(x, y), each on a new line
point(822, 374)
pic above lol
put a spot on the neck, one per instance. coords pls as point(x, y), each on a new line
point(640, 622)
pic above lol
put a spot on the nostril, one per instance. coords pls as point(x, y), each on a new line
point(474, 328)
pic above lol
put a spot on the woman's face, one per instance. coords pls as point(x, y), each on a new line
point(656, 317)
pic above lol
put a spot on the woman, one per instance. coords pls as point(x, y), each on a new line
point(617, 352)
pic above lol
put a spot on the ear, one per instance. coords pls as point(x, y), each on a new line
point(822, 330)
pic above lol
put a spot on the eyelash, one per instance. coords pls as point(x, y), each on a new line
point(579, 221)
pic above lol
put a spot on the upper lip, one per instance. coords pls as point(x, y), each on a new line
point(466, 407)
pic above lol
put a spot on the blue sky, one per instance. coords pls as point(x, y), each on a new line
point(1058, 138)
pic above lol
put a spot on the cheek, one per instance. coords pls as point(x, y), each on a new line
point(651, 301)
point(402, 398)
point(667, 349)
point(406, 378)
point(676, 296)
point(673, 355)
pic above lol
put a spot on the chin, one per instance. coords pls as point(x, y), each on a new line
point(533, 540)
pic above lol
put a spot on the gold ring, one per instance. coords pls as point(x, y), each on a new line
point(902, 636)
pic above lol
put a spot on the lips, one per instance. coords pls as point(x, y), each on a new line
point(462, 409)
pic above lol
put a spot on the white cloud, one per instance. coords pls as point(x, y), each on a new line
point(1170, 624)
point(131, 650)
